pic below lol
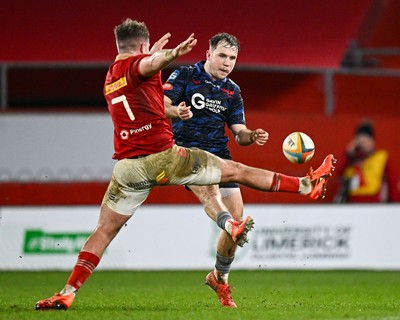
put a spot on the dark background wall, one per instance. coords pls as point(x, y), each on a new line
point(56, 55)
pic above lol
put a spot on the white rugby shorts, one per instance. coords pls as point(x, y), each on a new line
point(133, 179)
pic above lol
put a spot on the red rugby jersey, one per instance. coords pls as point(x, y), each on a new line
point(136, 105)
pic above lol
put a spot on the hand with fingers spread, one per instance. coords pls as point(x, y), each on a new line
point(184, 47)
point(160, 44)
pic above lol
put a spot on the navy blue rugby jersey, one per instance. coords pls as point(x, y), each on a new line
point(213, 103)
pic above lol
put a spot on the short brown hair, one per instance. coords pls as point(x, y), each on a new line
point(129, 32)
point(231, 40)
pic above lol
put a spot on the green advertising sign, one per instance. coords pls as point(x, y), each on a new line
point(40, 242)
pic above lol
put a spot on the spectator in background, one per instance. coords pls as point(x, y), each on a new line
point(366, 172)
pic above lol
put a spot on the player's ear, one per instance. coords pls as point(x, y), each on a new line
point(208, 55)
point(144, 47)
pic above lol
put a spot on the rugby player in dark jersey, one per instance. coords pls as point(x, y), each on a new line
point(212, 101)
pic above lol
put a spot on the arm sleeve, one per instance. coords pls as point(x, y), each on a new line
point(236, 112)
point(175, 86)
point(134, 72)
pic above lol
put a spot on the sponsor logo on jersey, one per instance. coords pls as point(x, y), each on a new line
point(228, 92)
point(144, 128)
point(116, 85)
point(173, 75)
point(200, 102)
point(214, 85)
point(124, 134)
point(167, 86)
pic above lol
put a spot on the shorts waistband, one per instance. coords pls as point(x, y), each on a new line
point(139, 156)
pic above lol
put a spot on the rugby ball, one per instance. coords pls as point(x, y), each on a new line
point(298, 147)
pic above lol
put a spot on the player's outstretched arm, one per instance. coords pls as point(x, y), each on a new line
point(245, 136)
point(159, 60)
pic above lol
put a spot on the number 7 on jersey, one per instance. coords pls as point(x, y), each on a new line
point(126, 105)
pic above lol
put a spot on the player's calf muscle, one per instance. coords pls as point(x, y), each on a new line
point(258, 179)
point(252, 177)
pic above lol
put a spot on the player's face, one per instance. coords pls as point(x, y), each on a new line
point(221, 60)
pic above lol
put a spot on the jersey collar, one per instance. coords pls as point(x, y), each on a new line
point(200, 68)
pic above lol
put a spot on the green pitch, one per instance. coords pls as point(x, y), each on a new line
point(287, 295)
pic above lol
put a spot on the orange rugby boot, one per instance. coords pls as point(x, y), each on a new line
point(240, 229)
point(319, 177)
point(56, 302)
point(222, 290)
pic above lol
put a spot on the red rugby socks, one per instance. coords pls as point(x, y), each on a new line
point(85, 265)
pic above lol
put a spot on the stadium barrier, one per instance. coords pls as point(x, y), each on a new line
point(285, 237)
point(65, 159)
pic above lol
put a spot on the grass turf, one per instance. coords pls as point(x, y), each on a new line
point(367, 295)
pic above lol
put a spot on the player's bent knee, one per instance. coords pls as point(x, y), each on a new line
point(233, 171)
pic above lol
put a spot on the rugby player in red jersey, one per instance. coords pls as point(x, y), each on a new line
point(148, 156)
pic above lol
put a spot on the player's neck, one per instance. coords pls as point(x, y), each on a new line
point(208, 70)
point(123, 56)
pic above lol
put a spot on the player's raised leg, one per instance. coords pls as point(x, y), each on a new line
point(312, 185)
